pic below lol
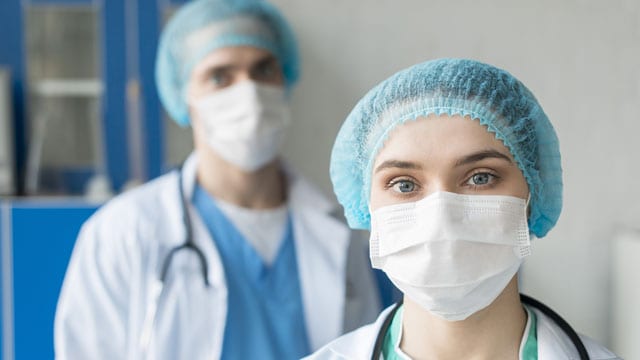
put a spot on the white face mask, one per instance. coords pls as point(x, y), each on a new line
point(246, 123)
point(452, 254)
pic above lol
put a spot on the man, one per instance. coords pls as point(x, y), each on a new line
point(233, 256)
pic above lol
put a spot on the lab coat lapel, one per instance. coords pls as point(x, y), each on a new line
point(552, 342)
point(321, 248)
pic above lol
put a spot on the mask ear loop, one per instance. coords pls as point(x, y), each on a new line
point(525, 236)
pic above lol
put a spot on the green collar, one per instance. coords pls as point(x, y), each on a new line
point(392, 337)
point(528, 351)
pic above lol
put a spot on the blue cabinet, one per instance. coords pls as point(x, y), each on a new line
point(37, 238)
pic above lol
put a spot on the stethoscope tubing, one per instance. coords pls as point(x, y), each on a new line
point(568, 330)
point(188, 243)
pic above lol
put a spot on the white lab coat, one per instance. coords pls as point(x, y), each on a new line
point(553, 344)
point(117, 259)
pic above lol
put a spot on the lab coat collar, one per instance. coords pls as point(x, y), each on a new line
point(553, 343)
point(188, 172)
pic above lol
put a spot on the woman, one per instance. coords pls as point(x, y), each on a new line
point(453, 166)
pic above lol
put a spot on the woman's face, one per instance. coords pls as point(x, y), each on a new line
point(441, 153)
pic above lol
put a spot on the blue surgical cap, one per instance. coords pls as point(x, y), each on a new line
point(202, 26)
point(450, 87)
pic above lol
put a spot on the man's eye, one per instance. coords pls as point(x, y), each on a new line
point(265, 71)
point(404, 186)
point(480, 179)
point(219, 79)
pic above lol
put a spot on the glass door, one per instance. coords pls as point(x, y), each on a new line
point(64, 86)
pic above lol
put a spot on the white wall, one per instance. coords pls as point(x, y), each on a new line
point(580, 58)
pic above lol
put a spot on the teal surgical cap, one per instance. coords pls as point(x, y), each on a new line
point(450, 87)
point(202, 26)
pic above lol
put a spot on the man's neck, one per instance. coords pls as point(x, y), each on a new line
point(261, 189)
point(492, 333)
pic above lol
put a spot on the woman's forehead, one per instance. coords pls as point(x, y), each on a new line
point(438, 137)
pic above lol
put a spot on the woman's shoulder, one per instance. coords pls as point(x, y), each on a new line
point(553, 342)
point(597, 351)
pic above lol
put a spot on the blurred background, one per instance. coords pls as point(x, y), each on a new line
point(80, 121)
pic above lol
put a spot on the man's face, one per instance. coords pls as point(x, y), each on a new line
point(227, 66)
point(218, 71)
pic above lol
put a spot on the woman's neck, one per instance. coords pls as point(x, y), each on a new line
point(494, 332)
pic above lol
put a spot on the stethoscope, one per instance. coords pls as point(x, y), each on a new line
point(158, 287)
point(188, 243)
point(568, 330)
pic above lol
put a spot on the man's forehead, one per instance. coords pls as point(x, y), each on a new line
point(225, 31)
point(236, 57)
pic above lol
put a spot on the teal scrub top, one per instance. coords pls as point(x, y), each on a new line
point(265, 313)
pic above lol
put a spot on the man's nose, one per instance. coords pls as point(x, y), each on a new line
point(243, 75)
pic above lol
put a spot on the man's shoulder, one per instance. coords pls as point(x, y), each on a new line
point(354, 345)
point(146, 203)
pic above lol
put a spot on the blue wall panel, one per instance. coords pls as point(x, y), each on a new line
point(43, 235)
point(149, 17)
point(114, 104)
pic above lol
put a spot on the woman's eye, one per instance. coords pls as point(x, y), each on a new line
point(404, 186)
point(480, 179)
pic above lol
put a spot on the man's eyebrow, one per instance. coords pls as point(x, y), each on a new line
point(220, 69)
point(481, 155)
point(267, 59)
point(398, 164)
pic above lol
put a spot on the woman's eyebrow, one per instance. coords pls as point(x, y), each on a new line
point(398, 164)
point(481, 155)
